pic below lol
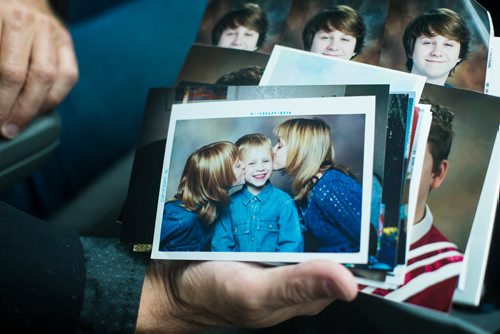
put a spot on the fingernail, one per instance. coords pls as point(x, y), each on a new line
point(10, 130)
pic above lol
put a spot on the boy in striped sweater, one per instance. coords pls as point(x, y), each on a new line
point(434, 263)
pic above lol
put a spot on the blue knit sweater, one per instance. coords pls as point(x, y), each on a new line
point(333, 213)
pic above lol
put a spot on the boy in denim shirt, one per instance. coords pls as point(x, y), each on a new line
point(260, 217)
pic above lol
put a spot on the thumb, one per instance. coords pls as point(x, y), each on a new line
point(313, 280)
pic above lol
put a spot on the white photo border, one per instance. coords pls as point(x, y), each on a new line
point(301, 107)
point(288, 66)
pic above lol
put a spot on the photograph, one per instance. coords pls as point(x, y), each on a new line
point(251, 25)
point(288, 66)
point(450, 231)
point(381, 120)
point(242, 153)
point(227, 67)
point(447, 41)
point(348, 29)
point(463, 206)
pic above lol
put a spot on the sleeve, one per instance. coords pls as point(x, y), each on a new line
point(290, 237)
point(342, 204)
point(169, 225)
point(113, 286)
point(42, 275)
point(223, 239)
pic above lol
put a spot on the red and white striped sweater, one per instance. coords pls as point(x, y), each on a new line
point(432, 270)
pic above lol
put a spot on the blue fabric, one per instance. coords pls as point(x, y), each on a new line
point(333, 213)
point(266, 222)
point(181, 230)
point(122, 53)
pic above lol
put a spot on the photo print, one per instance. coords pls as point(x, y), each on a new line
point(350, 126)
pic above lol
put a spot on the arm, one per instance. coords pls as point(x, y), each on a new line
point(185, 297)
point(37, 63)
point(290, 237)
point(223, 239)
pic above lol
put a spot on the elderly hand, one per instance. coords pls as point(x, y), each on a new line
point(184, 297)
point(37, 63)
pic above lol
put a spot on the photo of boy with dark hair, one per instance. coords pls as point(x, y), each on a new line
point(434, 263)
point(338, 31)
point(244, 28)
point(247, 25)
point(435, 43)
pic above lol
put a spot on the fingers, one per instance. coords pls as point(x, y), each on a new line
point(41, 76)
point(200, 295)
point(302, 289)
point(67, 72)
point(37, 64)
point(247, 294)
point(15, 48)
point(311, 281)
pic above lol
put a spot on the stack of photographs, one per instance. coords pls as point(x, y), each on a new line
point(270, 152)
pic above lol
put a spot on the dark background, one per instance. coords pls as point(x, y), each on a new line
point(489, 5)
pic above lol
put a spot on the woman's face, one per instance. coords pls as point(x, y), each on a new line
point(240, 38)
point(434, 57)
point(239, 173)
point(334, 44)
point(279, 152)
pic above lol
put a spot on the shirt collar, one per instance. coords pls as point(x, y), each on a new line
point(263, 196)
point(423, 227)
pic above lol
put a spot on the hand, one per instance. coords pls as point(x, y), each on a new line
point(37, 63)
point(183, 297)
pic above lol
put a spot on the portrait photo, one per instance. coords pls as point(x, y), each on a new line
point(446, 41)
point(349, 29)
point(196, 128)
point(243, 24)
point(464, 205)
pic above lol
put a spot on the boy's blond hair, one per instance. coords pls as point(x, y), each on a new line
point(252, 141)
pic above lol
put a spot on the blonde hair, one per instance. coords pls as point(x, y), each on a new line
point(207, 175)
point(309, 151)
point(254, 140)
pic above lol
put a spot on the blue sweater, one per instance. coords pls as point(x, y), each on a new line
point(333, 213)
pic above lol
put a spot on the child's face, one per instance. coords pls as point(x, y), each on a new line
point(258, 163)
point(334, 44)
point(240, 38)
point(434, 57)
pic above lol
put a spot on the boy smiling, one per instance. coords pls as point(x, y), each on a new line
point(260, 217)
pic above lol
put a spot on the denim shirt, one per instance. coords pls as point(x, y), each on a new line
point(333, 213)
point(266, 222)
point(181, 230)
